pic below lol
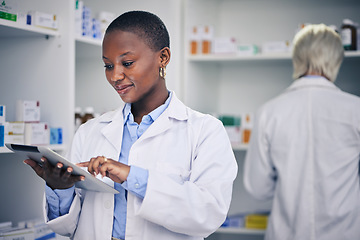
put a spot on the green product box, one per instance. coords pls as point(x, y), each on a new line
point(8, 10)
point(230, 120)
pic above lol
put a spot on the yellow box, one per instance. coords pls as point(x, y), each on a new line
point(257, 221)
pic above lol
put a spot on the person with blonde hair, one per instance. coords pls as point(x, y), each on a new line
point(305, 147)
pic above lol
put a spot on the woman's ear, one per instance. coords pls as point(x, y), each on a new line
point(164, 56)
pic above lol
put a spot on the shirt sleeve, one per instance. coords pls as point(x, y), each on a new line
point(59, 201)
point(137, 181)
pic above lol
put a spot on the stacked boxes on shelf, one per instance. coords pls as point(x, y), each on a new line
point(238, 127)
point(27, 127)
point(257, 220)
point(2, 123)
point(232, 126)
point(26, 230)
point(88, 26)
point(8, 10)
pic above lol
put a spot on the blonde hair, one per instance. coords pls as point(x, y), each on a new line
point(317, 49)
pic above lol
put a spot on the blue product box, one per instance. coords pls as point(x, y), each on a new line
point(2, 135)
point(236, 220)
point(2, 115)
point(56, 136)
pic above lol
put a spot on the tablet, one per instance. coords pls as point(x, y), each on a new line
point(35, 153)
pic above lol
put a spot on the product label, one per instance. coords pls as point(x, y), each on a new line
point(7, 10)
point(346, 37)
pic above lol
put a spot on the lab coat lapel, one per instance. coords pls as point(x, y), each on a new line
point(161, 124)
point(176, 110)
point(113, 131)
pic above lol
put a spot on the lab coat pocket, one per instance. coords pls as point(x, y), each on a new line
point(176, 173)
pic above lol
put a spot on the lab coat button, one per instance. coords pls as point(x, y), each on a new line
point(107, 204)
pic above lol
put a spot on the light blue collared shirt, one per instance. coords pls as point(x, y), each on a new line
point(59, 200)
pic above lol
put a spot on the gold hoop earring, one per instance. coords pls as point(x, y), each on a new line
point(162, 72)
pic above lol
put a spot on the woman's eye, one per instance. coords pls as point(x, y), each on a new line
point(127, 64)
point(108, 66)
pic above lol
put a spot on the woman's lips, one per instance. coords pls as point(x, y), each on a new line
point(123, 89)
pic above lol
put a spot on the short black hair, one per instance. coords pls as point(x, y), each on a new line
point(145, 25)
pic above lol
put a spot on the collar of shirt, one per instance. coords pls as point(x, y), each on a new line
point(312, 81)
point(147, 120)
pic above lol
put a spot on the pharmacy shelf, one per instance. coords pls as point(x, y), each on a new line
point(233, 230)
point(89, 40)
point(15, 29)
point(240, 147)
point(235, 57)
point(54, 147)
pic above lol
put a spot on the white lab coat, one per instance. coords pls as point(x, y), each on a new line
point(304, 153)
point(191, 172)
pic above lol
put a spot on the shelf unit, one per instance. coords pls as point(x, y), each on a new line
point(60, 70)
point(232, 230)
point(88, 40)
point(63, 71)
point(37, 64)
point(13, 27)
point(233, 84)
point(221, 58)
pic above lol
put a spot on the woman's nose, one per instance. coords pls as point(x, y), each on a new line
point(117, 74)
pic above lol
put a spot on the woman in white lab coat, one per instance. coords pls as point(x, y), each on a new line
point(174, 167)
point(305, 148)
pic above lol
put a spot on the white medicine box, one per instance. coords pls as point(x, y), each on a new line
point(14, 128)
point(27, 111)
point(37, 133)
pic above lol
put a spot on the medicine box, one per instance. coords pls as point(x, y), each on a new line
point(247, 50)
point(17, 139)
point(78, 17)
point(2, 114)
point(224, 45)
point(232, 126)
point(86, 22)
point(41, 19)
point(41, 230)
point(16, 233)
point(235, 220)
point(276, 47)
point(56, 136)
point(256, 221)
point(37, 134)
point(2, 136)
point(27, 111)
point(8, 9)
point(14, 128)
point(105, 19)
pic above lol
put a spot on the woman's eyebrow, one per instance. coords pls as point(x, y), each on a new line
point(122, 55)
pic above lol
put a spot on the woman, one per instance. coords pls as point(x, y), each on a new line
point(305, 147)
point(173, 166)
